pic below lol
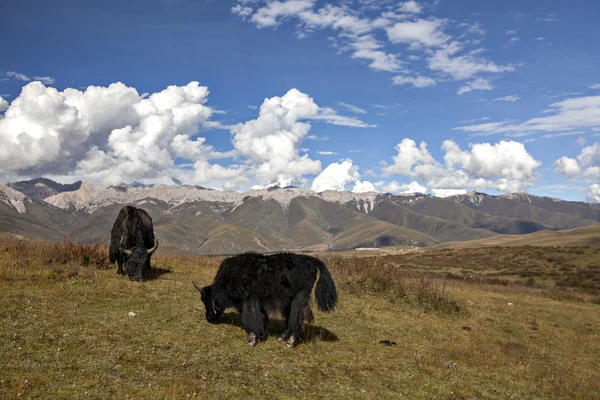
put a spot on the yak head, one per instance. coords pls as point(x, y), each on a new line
point(136, 260)
point(213, 309)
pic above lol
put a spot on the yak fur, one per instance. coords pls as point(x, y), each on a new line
point(256, 285)
point(132, 242)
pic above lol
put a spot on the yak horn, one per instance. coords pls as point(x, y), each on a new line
point(198, 288)
point(150, 251)
point(125, 251)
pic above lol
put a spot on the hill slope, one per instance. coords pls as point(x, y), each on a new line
point(588, 236)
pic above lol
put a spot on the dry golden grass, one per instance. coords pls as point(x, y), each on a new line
point(65, 331)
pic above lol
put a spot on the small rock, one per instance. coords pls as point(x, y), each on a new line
point(510, 304)
point(387, 342)
point(132, 314)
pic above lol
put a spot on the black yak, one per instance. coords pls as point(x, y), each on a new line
point(132, 242)
point(256, 284)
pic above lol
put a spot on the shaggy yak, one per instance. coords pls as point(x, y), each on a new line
point(132, 242)
point(257, 284)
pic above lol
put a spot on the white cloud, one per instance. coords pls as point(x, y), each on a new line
point(410, 7)
point(269, 15)
point(567, 166)
point(552, 135)
point(566, 115)
point(363, 186)
point(514, 39)
point(327, 153)
point(315, 137)
point(581, 141)
point(242, 11)
point(3, 105)
point(366, 47)
point(477, 84)
point(462, 67)
point(272, 141)
point(475, 120)
point(540, 39)
point(447, 192)
point(511, 32)
point(109, 134)
point(395, 187)
point(506, 165)
point(358, 34)
point(46, 80)
point(586, 165)
point(113, 135)
point(330, 116)
point(418, 81)
point(354, 109)
point(511, 99)
point(594, 86)
point(336, 176)
point(18, 76)
point(418, 33)
point(593, 194)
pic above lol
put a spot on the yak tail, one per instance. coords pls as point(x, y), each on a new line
point(325, 291)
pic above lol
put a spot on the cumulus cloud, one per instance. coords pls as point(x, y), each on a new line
point(113, 135)
point(363, 186)
point(447, 192)
point(506, 166)
point(3, 105)
point(108, 134)
point(567, 115)
point(568, 167)
point(400, 188)
point(593, 193)
point(336, 176)
point(585, 165)
point(271, 142)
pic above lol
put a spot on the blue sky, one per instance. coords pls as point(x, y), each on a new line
point(505, 95)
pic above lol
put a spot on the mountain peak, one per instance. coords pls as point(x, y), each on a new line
point(40, 188)
point(13, 198)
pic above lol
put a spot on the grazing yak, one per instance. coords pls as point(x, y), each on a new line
point(132, 242)
point(256, 284)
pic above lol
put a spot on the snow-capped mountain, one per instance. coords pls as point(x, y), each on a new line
point(208, 221)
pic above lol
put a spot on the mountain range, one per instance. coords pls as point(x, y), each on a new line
point(195, 219)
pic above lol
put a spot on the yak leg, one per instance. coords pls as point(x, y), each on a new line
point(254, 320)
point(120, 270)
point(295, 320)
point(307, 315)
point(286, 313)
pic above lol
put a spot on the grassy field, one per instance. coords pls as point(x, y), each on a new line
point(497, 323)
